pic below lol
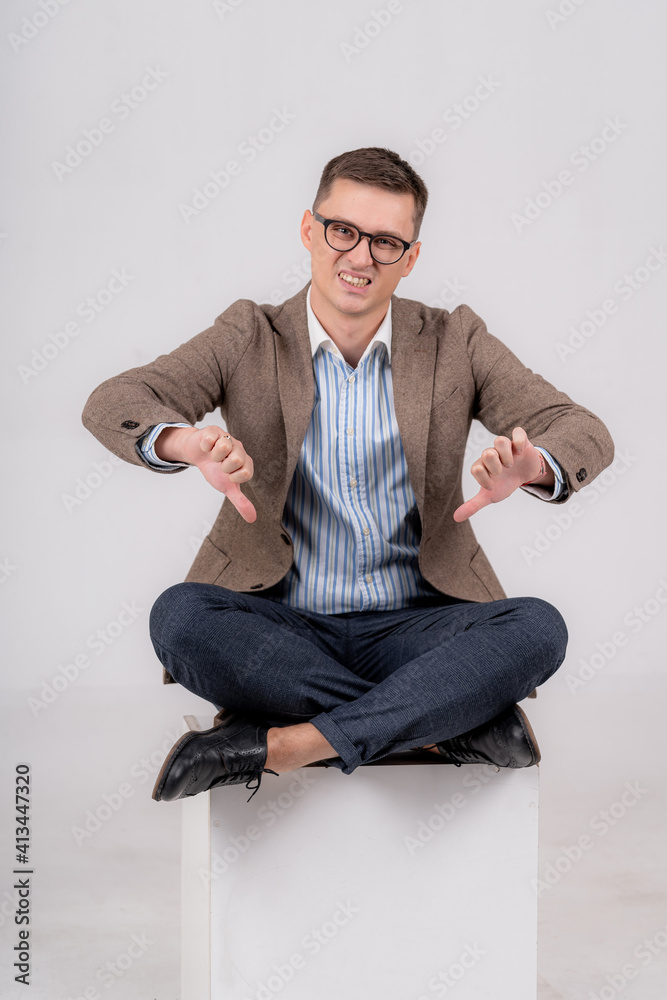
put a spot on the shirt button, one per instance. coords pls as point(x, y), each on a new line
point(369, 578)
point(352, 378)
point(353, 482)
point(350, 430)
point(367, 531)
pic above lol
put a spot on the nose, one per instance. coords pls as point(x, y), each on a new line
point(361, 257)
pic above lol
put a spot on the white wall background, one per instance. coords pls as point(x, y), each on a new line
point(557, 73)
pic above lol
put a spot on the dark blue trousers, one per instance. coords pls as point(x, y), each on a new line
point(372, 682)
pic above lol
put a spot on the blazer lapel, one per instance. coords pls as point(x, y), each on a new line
point(296, 382)
point(413, 355)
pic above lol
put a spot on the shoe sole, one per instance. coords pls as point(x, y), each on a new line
point(529, 734)
point(173, 753)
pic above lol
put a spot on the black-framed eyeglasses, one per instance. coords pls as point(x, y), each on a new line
point(342, 236)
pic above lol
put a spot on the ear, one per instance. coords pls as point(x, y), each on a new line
point(307, 230)
point(411, 259)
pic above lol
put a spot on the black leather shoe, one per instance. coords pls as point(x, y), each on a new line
point(233, 752)
point(506, 741)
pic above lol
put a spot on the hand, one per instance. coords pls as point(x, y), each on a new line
point(501, 470)
point(221, 459)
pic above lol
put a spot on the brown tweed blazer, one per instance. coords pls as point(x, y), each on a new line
point(255, 364)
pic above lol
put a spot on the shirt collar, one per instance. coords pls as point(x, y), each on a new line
point(318, 334)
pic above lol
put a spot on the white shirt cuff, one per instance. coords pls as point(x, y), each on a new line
point(545, 492)
point(147, 449)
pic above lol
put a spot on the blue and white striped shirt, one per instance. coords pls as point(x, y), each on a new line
point(350, 509)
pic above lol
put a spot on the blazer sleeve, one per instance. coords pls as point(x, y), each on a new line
point(180, 387)
point(509, 395)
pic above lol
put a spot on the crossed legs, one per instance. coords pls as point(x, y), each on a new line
point(351, 688)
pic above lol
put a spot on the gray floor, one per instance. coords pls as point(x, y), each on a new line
point(99, 892)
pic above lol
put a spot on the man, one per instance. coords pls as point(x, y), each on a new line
point(341, 608)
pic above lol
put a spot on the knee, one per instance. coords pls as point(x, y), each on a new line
point(547, 623)
point(172, 609)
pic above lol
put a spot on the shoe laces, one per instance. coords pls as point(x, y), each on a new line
point(257, 777)
point(460, 751)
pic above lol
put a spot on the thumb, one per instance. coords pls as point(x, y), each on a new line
point(241, 502)
point(470, 507)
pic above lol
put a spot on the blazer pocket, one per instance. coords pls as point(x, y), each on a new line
point(447, 398)
point(210, 563)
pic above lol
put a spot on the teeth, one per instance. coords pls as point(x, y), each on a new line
point(358, 282)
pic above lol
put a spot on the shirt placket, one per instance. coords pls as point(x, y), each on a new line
point(351, 423)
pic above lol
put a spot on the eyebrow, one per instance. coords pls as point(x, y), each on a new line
point(383, 232)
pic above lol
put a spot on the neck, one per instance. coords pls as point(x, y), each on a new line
point(350, 333)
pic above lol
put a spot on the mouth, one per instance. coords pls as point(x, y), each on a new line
point(356, 281)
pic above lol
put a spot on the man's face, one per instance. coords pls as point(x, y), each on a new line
point(373, 210)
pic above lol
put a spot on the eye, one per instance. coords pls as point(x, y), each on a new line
point(341, 230)
point(388, 242)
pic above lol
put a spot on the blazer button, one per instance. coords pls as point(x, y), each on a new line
point(256, 586)
point(129, 425)
point(285, 539)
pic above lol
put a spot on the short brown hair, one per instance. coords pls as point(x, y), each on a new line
point(376, 167)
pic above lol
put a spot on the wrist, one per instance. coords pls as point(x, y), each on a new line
point(541, 474)
point(170, 443)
